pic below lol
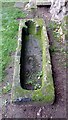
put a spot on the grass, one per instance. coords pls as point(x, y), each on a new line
point(9, 32)
point(6, 88)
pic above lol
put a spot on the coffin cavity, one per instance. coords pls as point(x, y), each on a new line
point(31, 57)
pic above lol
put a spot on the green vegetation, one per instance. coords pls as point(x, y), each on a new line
point(35, 82)
point(56, 28)
point(53, 25)
point(59, 32)
point(6, 88)
point(9, 32)
point(54, 49)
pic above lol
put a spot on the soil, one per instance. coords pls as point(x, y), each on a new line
point(58, 108)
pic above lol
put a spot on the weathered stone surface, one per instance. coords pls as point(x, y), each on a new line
point(21, 4)
point(31, 3)
point(59, 9)
point(46, 93)
point(43, 2)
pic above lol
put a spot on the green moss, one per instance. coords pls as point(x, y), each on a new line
point(53, 25)
point(39, 96)
point(32, 29)
point(64, 26)
point(19, 92)
point(53, 49)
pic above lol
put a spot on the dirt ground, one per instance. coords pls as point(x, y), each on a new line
point(58, 108)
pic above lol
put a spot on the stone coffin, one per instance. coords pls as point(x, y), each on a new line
point(39, 69)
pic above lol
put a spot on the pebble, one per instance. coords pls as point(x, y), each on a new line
point(51, 117)
point(43, 107)
point(39, 77)
point(38, 113)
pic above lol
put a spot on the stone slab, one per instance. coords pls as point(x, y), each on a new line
point(43, 2)
point(21, 4)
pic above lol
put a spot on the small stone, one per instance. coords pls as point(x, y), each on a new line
point(38, 113)
point(5, 115)
point(39, 77)
point(43, 107)
point(51, 117)
point(46, 116)
point(20, 98)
